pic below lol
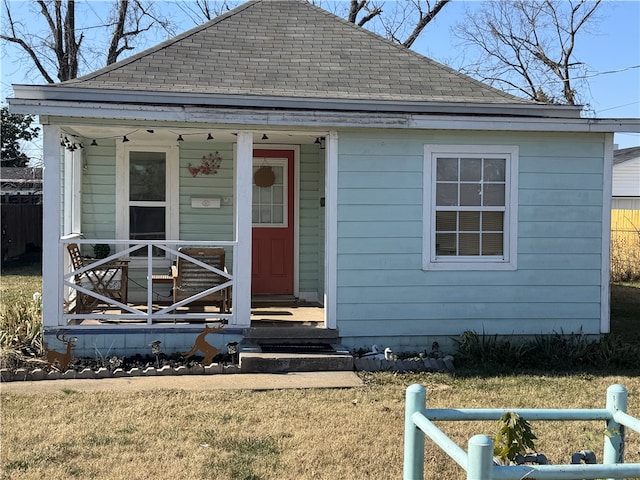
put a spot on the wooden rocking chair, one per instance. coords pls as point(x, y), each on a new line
point(190, 279)
point(108, 279)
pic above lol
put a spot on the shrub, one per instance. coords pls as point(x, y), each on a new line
point(20, 331)
point(557, 352)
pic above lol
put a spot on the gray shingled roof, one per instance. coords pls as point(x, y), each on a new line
point(625, 154)
point(289, 48)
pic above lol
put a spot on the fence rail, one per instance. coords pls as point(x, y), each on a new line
point(478, 460)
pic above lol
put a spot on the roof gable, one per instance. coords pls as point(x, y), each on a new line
point(290, 48)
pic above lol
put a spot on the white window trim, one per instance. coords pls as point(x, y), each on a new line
point(509, 260)
point(171, 186)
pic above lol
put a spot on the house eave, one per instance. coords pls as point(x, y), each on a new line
point(140, 98)
point(495, 119)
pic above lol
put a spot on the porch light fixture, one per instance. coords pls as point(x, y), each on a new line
point(94, 143)
point(179, 139)
point(209, 137)
point(124, 139)
point(264, 136)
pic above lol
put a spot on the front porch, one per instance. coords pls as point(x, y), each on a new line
point(124, 299)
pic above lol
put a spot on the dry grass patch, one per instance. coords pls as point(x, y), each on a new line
point(290, 434)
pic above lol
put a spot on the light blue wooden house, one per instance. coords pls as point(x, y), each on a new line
point(409, 201)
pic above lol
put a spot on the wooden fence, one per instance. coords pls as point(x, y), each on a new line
point(625, 245)
point(21, 229)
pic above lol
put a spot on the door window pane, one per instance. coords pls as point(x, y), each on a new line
point(147, 174)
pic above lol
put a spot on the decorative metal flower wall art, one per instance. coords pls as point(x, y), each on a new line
point(209, 165)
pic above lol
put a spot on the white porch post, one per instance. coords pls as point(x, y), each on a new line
point(242, 257)
point(52, 257)
point(331, 230)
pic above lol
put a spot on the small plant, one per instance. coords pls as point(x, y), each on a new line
point(514, 438)
point(101, 250)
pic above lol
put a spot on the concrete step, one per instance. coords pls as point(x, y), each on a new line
point(283, 358)
point(293, 334)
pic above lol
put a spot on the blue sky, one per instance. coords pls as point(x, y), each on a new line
point(611, 52)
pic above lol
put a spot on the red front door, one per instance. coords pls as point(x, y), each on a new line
point(272, 249)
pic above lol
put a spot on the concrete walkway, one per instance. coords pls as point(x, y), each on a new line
point(244, 381)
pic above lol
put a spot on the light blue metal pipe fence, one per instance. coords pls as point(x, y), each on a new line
point(477, 461)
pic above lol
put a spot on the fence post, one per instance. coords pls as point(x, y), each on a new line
point(480, 462)
point(614, 435)
point(413, 436)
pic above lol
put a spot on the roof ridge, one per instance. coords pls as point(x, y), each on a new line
point(162, 45)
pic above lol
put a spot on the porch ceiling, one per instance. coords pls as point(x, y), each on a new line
point(168, 134)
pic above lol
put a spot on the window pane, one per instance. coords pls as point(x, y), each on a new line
point(264, 195)
point(470, 194)
point(469, 244)
point(278, 194)
point(446, 221)
point(470, 169)
point(447, 169)
point(147, 223)
point(492, 221)
point(147, 176)
point(492, 244)
point(494, 169)
point(470, 221)
point(265, 214)
point(279, 175)
point(445, 243)
point(493, 194)
point(446, 194)
point(278, 215)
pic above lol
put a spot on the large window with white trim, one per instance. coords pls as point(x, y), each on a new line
point(470, 207)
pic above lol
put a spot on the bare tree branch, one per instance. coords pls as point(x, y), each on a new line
point(536, 40)
point(423, 21)
point(14, 38)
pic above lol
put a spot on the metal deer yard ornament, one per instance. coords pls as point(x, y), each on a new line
point(201, 344)
point(62, 360)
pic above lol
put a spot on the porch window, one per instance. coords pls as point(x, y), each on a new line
point(470, 204)
point(146, 192)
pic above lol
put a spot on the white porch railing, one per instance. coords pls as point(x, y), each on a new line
point(146, 265)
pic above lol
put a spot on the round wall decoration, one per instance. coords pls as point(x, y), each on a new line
point(264, 176)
